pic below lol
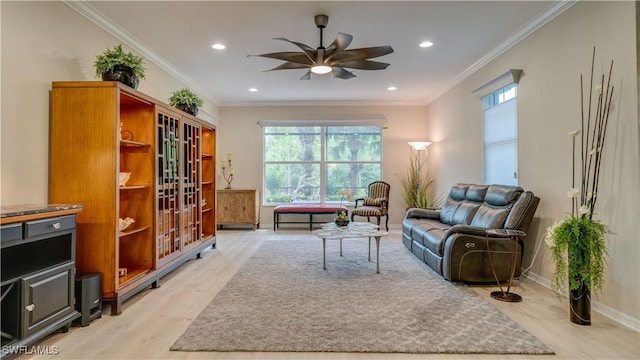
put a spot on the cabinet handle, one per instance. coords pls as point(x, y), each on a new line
point(56, 225)
point(30, 307)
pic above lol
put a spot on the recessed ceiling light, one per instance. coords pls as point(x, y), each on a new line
point(218, 46)
point(392, 88)
point(253, 89)
point(426, 44)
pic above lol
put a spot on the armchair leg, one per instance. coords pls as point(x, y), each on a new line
point(386, 222)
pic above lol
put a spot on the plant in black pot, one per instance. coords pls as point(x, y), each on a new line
point(186, 100)
point(578, 243)
point(116, 65)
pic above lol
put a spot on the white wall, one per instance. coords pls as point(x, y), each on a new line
point(548, 109)
point(44, 42)
point(243, 137)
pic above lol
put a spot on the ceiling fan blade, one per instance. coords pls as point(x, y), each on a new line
point(363, 53)
point(363, 65)
point(292, 56)
point(341, 42)
point(289, 65)
point(308, 50)
point(342, 73)
point(306, 76)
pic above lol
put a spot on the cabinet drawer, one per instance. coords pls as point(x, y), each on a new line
point(11, 232)
point(39, 227)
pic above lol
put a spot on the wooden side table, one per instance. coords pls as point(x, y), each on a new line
point(514, 235)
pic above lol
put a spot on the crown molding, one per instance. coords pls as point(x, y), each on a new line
point(85, 9)
point(549, 14)
point(364, 103)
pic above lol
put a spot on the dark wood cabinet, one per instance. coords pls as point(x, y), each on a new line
point(38, 269)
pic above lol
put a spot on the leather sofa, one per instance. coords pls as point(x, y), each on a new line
point(453, 239)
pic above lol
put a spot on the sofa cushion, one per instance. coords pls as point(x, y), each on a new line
point(502, 195)
point(519, 216)
point(464, 213)
point(434, 240)
point(455, 198)
point(498, 201)
point(476, 193)
point(417, 228)
point(490, 217)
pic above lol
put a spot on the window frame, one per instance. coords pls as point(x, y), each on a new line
point(323, 161)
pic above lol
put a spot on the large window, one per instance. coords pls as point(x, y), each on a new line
point(312, 164)
point(500, 137)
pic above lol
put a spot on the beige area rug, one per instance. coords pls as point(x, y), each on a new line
point(282, 300)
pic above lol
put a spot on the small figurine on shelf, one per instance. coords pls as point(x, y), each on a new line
point(125, 223)
point(124, 178)
point(227, 171)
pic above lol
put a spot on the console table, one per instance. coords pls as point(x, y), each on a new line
point(38, 245)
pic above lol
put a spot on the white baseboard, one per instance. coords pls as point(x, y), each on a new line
point(611, 313)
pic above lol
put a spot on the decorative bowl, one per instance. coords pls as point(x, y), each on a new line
point(342, 222)
point(125, 223)
point(123, 178)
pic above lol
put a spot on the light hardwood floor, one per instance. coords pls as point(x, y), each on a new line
point(154, 319)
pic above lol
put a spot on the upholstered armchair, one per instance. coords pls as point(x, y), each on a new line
point(375, 204)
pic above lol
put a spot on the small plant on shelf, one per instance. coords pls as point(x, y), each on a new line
point(116, 65)
point(186, 100)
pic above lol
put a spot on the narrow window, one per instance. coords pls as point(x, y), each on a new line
point(500, 136)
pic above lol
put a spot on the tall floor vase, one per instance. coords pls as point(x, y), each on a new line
point(580, 305)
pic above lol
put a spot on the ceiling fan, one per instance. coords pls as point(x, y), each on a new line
point(335, 58)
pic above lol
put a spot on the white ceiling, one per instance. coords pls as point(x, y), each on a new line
point(177, 35)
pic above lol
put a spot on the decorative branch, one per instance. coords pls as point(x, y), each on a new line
point(594, 131)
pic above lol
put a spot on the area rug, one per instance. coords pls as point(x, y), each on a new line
point(282, 300)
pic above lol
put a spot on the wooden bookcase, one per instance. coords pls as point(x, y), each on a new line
point(99, 129)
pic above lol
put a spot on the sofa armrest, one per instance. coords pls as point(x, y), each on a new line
point(466, 230)
point(429, 213)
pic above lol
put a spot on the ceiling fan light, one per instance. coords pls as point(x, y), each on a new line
point(321, 69)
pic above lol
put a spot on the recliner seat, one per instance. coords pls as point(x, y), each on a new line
point(453, 240)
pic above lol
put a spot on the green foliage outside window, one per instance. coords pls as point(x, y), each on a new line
point(350, 157)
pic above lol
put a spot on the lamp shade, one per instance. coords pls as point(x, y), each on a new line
point(419, 145)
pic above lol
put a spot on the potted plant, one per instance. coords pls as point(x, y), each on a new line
point(578, 243)
point(417, 187)
point(116, 65)
point(342, 218)
point(186, 100)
